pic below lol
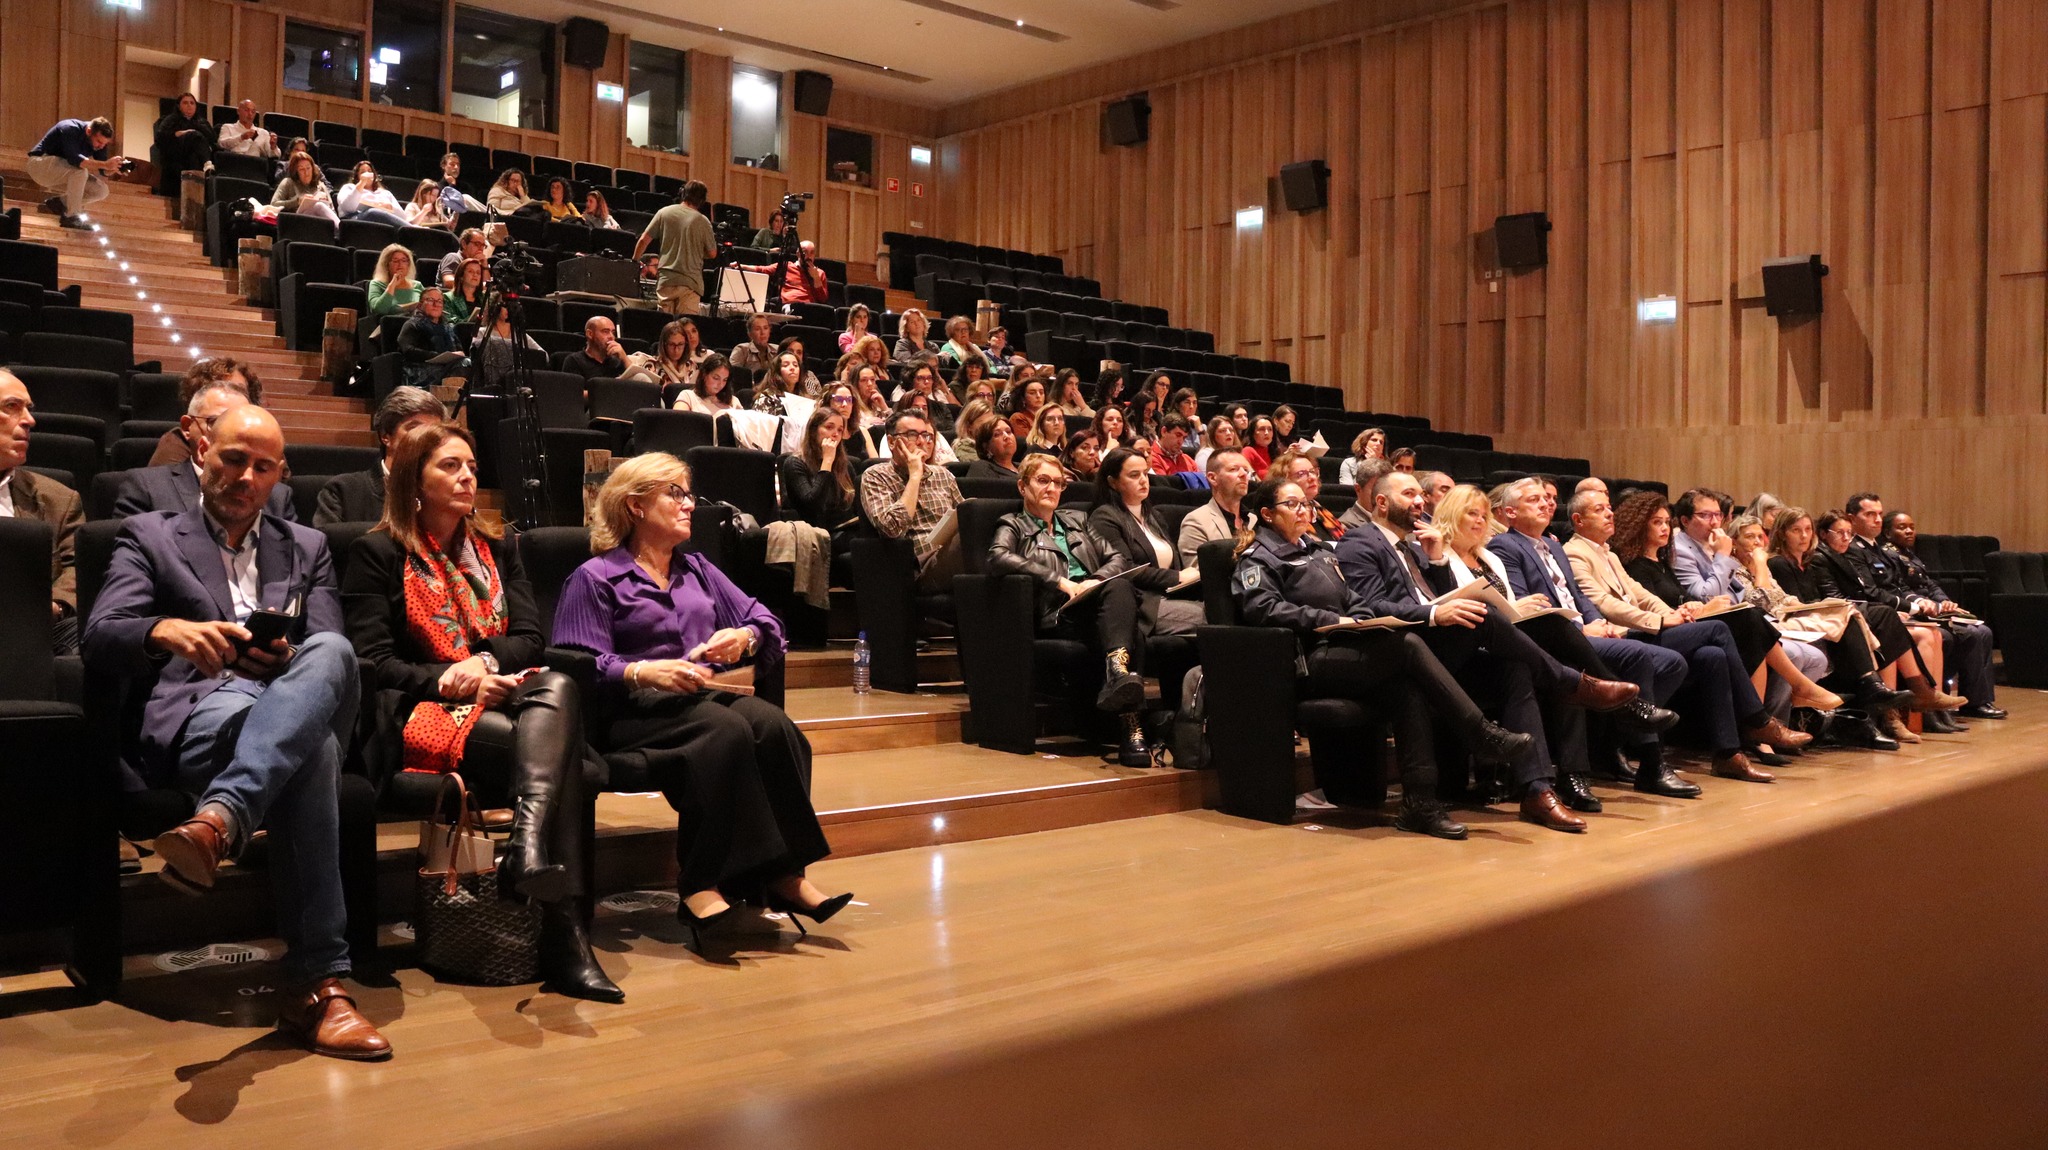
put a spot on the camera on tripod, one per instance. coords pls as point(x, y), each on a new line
point(513, 267)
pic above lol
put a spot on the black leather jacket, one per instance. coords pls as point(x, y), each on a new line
point(1024, 546)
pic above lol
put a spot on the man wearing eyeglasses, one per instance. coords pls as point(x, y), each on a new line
point(174, 487)
point(914, 499)
point(26, 495)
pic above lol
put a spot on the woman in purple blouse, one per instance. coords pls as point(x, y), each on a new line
point(662, 623)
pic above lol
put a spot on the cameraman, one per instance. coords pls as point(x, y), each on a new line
point(805, 281)
point(682, 232)
point(72, 161)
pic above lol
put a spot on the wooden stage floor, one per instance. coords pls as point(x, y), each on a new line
point(1856, 956)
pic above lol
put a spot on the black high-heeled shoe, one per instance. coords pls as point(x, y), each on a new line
point(696, 925)
point(797, 911)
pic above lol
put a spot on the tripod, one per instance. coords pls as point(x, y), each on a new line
point(527, 498)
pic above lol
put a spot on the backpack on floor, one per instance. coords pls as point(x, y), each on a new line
point(1189, 737)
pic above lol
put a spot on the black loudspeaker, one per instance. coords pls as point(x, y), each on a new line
point(584, 42)
point(1792, 285)
point(1305, 186)
point(1522, 240)
point(814, 93)
point(1127, 122)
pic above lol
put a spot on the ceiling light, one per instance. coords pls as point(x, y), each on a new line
point(124, 265)
point(1020, 23)
point(129, 5)
point(174, 337)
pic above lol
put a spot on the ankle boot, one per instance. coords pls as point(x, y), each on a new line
point(527, 871)
point(1928, 697)
point(1873, 696)
point(1133, 752)
point(566, 965)
point(1896, 727)
point(1121, 690)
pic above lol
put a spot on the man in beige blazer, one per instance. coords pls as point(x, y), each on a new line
point(1601, 576)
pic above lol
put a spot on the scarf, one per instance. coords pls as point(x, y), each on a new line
point(446, 608)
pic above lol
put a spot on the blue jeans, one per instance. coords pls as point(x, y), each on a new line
point(380, 216)
point(271, 754)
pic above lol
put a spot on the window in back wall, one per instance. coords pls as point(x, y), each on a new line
point(405, 54)
point(504, 70)
point(756, 117)
point(658, 99)
point(323, 61)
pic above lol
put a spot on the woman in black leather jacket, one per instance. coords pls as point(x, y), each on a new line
point(1053, 547)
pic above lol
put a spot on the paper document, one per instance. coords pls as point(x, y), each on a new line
point(1710, 612)
point(1376, 623)
point(1482, 591)
point(1095, 583)
point(446, 357)
point(1823, 605)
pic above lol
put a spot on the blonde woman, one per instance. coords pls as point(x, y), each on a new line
point(664, 624)
point(1048, 431)
point(394, 290)
point(912, 345)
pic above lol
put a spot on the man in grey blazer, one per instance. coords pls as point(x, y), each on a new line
point(254, 731)
point(1230, 476)
point(174, 487)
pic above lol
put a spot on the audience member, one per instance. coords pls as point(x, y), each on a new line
point(1066, 395)
point(677, 353)
point(72, 164)
point(255, 733)
point(664, 623)
point(681, 233)
point(1366, 445)
point(1966, 646)
point(245, 137)
point(1080, 597)
point(1435, 485)
point(425, 209)
point(556, 203)
point(394, 288)
point(1122, 519)
point(758, 353)
point(493, 355)
point(27, 495)
point(1230, 477)
point(1221, 434)
point(1109, 386)
point(1141, 415)
point(304, 190)
point(1700, 554)
point(1048, 431)
point(1186, 404)
point(995, 452)
point(912, 499)
point(1166, 457)
point(856, 327)
point(365, 198)
point(911, 342)
point(959, 346)
point(175, 445)
point(1301, 469)
point(1797, 566)
point(1109, 427)
point(598, 213)
point(802, 281)
point(770, 238)
point(1911, 574)
point(455, 201)
point(184, 136)
point(710, 389)
point(444, 620)
point(600, 357)
point(1083, 456)
point(466, 297)
point(1023, 400)
point(1002, 360)
point(508, 193)
point(425, 338)
point(1365, 478)
point(1403, 459)
point(358, 497)
point(807, 384)
point(1258, 446)
point(471, 245)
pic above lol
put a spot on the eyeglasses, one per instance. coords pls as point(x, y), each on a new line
point(842, 401)
point(676, 492)
point(914, 436)
point(1293, 504)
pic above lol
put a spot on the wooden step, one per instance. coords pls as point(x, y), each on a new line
point(833, 667)
point(836, 719)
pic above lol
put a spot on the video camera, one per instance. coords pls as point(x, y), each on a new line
point(513, 267)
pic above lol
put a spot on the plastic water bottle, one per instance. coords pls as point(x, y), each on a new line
point(861, 683)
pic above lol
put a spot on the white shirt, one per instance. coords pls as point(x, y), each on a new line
point(1561, 584)
point(234, 138)
point(1162, 551)
point(7, 494)
point(245, 583)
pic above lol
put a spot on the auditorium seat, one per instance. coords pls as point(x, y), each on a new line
point(2018, 586)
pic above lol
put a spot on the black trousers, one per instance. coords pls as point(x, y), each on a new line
point(1395, 672)
point(1893, 640)
point(738, 773)
point(1108, 619)
point(1514, 679)
point(184, 153)
point(1754, 634)
point(1966, 654)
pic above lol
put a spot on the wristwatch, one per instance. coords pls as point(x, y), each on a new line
point(490, 661)
point(753, 639)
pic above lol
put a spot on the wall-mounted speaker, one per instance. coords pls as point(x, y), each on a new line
point(1792, 285)
point(584, 42)
point(1522, 240)
point(1305, 187)
point(814, 93)
point(1127, 122)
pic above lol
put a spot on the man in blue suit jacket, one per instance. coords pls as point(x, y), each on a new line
point(1536, 565)
point(174, 487)
point(255, 732)
point(1397, 566)
point(1702, 555)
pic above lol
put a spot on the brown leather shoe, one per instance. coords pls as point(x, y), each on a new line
point(496, 820)
point(192, 852)
point(1738, 766)
point(1543, 809)
point(1894, 724)
point(1778, 735)
point(326, 1020)
point(1602, 694)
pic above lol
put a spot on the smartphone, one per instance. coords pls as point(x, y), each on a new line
point(264, 627)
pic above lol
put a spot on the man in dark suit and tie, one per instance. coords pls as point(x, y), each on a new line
point(1398, 567)
point(359, 497)
point(26, 495)
point(1710, 669)
point(174, 487)
point(254, 730)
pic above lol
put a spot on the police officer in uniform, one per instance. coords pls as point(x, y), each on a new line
point(1286, 577)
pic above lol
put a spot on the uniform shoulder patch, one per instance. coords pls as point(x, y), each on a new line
point(1251, 576)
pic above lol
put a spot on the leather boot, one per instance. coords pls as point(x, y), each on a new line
point(1610, 764)
point(1425, 816)
point(566, 965)
point(1938, 723)
point(1928, 697)
point(1121, 690)
point(1573, 792)
point(527, 865)
point(1133, 752)
point(1495, 744)
point(1873, 696)
point(1896, 727)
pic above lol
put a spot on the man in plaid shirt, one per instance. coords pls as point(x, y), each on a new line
point(913, 499)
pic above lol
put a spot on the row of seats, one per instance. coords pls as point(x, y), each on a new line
point(935, 270)
point(904, 248)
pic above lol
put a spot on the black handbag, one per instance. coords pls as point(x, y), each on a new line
point(463, 931)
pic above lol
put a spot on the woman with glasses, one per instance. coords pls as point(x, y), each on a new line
point(1078, 597)
point(1288, 578)
point(666, 626)
point(840, 400)
point(675, 357)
